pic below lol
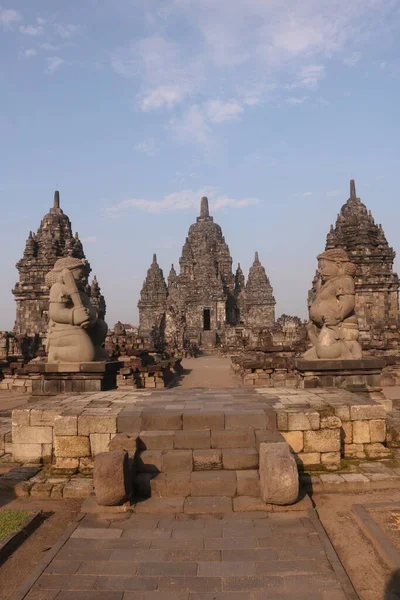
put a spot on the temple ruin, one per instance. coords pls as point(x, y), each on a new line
point(377, 286)
point(206, 297)
point(53, 240)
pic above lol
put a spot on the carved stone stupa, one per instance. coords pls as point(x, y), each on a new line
point(376, 285)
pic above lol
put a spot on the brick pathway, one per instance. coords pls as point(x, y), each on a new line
point(248, 556)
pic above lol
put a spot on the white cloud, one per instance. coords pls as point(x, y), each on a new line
point(66, 30)
point(148, 147)
point(219, 111)
point(54, 63)
point(30, 52)
point(184, 200)
point(193, 127)
point(167, 77)
point(9, 17)
point(352, 59)
point(296, 100)
point(308, 77)
point(47, 46)
point(31, 29)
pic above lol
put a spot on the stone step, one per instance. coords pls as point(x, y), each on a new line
point(252, 417)
point(167, 461)
point(204, 483)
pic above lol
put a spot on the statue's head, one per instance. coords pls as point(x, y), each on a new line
point(79, 267)
point(335, 262)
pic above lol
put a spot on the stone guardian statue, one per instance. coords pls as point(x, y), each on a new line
point(333, 327)
point(76, 333)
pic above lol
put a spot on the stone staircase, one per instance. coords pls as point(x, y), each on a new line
point(193, 453)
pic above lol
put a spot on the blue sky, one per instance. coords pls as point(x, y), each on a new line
point(135, 109)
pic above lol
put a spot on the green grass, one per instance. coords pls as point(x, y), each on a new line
point(11, 520)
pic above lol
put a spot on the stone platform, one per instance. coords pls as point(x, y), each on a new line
point(49, 379)
point(175, 430)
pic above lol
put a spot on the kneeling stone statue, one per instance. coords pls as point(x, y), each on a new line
point(333, 326)
point(75, 333)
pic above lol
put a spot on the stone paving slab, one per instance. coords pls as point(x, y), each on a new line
point(246, 556)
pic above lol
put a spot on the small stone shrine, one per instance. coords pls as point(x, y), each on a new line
point(206, 297)
point(53, 240)
point(376, 285)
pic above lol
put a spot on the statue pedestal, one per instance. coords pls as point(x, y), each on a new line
point(354, 375)
point(50, 379)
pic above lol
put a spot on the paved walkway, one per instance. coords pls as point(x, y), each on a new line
point(248, 556)
point(208, 371)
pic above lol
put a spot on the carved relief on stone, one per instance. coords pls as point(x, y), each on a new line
point(333, 326)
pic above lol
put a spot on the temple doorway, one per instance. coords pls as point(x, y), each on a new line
point(206, 320)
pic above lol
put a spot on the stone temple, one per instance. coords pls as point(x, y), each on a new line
point(377, 286)
point(53, 240)
point(206, 297)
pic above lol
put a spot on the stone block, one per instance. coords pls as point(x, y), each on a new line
point(295, 439)
point(330, 422)
point(361, 433)
point(245, 419)
point(129, 421)
point(191, 440)
point(356, 482)
point(279, 480)
point(308, 459)
point(78, 488)
point(377, 428)
point(376, 451)
point(235, 438)
point(213, 483)
point(343, 412)
point(97, 424)
point(303, 421)
point(347, 428)
point(367, 412)
point(68, 466)
point(177, 460)
point(171, 484)
point(248, 483)
point(333, 483)
point(66, 425)
point(112, 478)
point(157, 440)
point(331, 460)
point(23, 434)
point(240, 458)
point(72, 446)
point(198, 420)
point(123, 441)
point(282, 420)
point(99, 442)
point(20, 417)
point(86, 464)
point(324, 440)
point(207, 505)
point(267, 436)
point(27, 452)
point(354, 451)
point(207, 460)
point(41, 490)
point(165, 421)
point(39, 418)
point(149, 461)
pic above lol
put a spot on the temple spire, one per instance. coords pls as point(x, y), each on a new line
point(256, 258)
point(56, 199)
point(353, 194)
point(204, 210)
point(154, 259)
